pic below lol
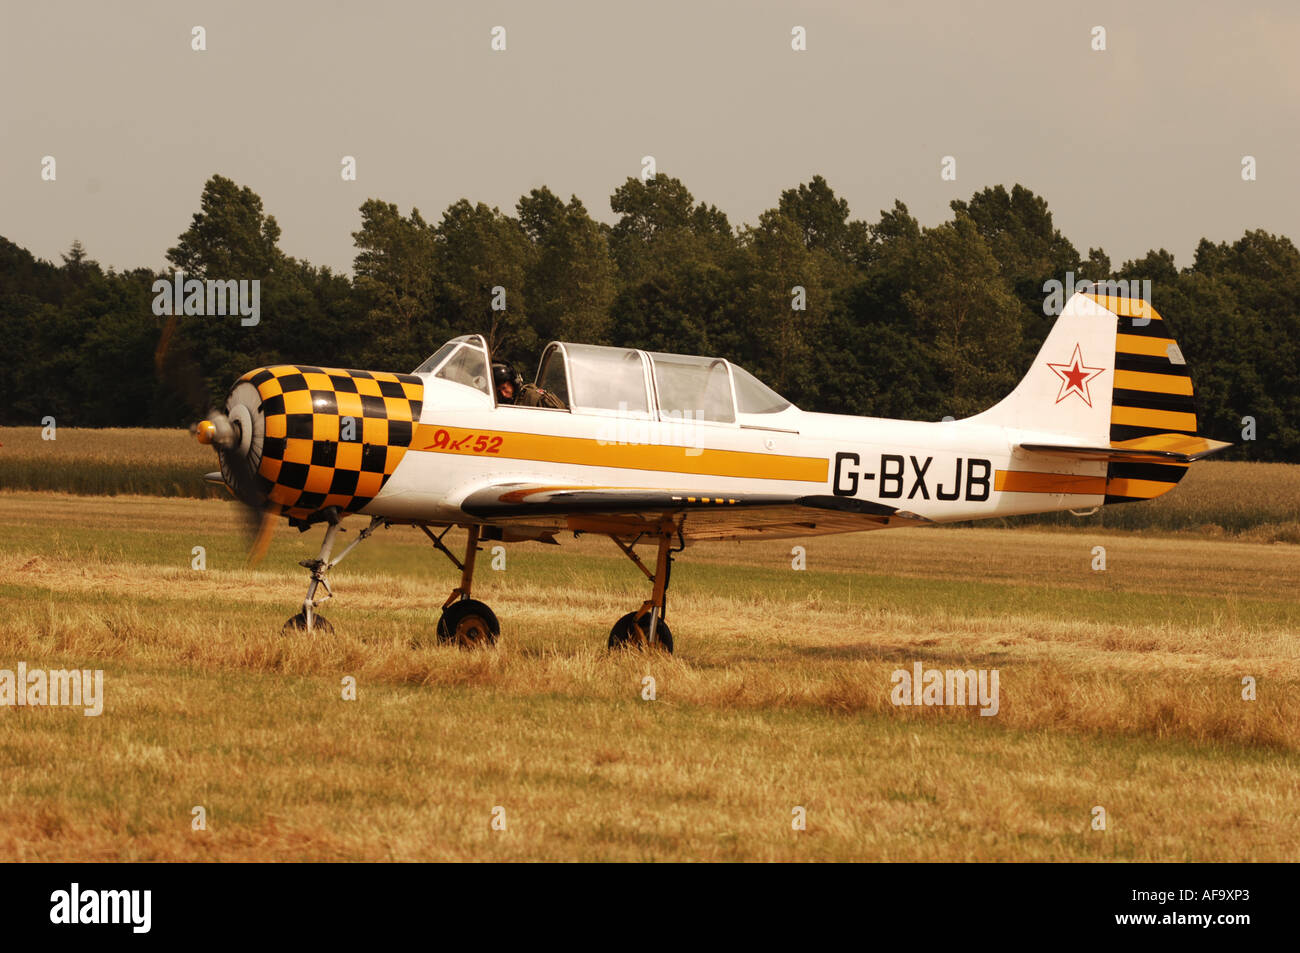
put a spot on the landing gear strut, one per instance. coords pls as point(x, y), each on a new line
point(646, 628)
point(308, 620)
point(464, 622)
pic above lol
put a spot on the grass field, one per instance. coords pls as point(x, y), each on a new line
point(1119, 689)
point(108, 461)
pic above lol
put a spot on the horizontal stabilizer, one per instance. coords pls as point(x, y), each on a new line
point(1164, 447)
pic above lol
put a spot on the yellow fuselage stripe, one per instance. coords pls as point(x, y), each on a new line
point(585, 451)
point(1026, 481)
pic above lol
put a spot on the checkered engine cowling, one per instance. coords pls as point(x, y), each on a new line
point(312, 458)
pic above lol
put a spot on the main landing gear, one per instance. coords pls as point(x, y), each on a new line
point(308, 620)
point(646, 628)
point(465, 622)
point(468, 623)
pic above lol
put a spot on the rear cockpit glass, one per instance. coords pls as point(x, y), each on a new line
point(693, 388)
point(755, 397)
point(607, 379)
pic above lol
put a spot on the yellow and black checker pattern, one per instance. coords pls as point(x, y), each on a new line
point(1152, 397)
point(311, 458)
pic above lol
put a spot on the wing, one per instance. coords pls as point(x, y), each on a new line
point(628, 512)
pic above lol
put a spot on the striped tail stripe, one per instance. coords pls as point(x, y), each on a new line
point(1152, 396)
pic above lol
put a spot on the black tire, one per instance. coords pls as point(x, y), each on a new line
point(632, 630)
point(468, 624)
point(298, 626)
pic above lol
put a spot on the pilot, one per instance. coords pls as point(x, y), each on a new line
point(506, 382)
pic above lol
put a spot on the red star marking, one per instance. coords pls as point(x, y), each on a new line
point(1075, 377)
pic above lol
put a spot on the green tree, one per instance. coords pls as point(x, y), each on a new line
point(823, 221)
point(229, 236)
point(480, 249)
point(1236, 316)
point(785, 289)
point(570, 280)
point(967, 319)
point(396, 284)
point(1029, 251)
point(874, 364)
point(232, 237)
point(660, 226)
point(677, 270)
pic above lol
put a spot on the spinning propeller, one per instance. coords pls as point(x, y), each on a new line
point(226, 436)
point(233, 433)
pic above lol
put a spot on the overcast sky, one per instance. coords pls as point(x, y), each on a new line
point(1136, 147)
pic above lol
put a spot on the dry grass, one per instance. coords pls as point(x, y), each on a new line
point(1120, 689)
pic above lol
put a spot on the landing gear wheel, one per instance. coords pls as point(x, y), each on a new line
point(298, 625)
point(633, 631)
point(468, 624)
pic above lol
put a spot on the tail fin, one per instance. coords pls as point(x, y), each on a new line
point(1109, 384)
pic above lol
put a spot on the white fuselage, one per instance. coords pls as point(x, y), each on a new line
point(947, 471)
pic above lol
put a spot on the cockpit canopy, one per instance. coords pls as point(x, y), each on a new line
point(647, 385)
point(462, 360)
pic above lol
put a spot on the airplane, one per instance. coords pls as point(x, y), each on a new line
point(671, 449)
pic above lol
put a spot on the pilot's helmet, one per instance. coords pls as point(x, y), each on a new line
point(503, 373)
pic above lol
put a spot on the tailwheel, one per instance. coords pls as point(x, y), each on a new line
point(298, 624)
point(633, 631)
point(468, 624)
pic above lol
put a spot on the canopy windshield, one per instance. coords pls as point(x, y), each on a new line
point(755, 397)
point(462, 360)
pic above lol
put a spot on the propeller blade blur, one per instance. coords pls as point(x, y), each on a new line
point(264, 533)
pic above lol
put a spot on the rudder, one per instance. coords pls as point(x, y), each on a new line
point(1109, 383)
point(1152, 396)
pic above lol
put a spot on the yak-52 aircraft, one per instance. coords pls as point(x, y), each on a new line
point(668, 449)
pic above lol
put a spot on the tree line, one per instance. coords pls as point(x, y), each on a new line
point(882, 318)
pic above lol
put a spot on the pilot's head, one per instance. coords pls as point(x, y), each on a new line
point(504, 380)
